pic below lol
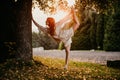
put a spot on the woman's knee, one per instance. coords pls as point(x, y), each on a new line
point(67, 49)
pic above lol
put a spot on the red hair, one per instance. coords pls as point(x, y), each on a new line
point(51, 24)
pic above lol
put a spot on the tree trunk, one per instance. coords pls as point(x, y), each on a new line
point(15, 30)
point(24, 31)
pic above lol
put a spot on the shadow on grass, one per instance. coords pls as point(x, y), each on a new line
point(114, 64)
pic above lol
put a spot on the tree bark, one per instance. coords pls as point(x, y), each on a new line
point(16, 31)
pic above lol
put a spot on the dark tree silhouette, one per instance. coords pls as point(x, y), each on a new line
point(15, 30)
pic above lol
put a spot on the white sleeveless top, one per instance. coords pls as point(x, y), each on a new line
point(65, 35)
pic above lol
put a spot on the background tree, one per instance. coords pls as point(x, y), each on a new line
point(101, 24)
point(112, 31)
point(43, 40)
point(85, 37)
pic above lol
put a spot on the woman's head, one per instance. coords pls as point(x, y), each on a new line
point(51, 24)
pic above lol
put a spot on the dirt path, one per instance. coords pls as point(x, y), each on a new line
point(100, 57)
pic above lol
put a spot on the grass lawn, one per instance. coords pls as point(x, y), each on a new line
point(52, 69)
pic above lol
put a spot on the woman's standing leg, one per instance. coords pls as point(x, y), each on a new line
point(67, 50)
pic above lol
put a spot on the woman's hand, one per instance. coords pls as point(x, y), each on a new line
point(72, 9)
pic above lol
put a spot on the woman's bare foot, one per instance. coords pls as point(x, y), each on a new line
point(66, 67)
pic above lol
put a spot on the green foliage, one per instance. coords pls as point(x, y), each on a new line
point(61, 46)
point(92, 34)
point(85, 37)
point(112, 32)
point(43, 40)
point(81, 41)
point(35, 40)
point(50, 69)
point(93, 39)
point(101, 22)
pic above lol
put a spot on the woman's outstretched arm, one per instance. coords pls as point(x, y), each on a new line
point(67, 17)
point(39, 26)
point(77, 24)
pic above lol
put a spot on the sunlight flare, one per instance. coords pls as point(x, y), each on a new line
point(71, 2)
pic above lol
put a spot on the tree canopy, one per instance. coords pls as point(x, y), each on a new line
point(53, 5)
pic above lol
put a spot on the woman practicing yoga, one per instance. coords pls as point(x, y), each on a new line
point(62, 30)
